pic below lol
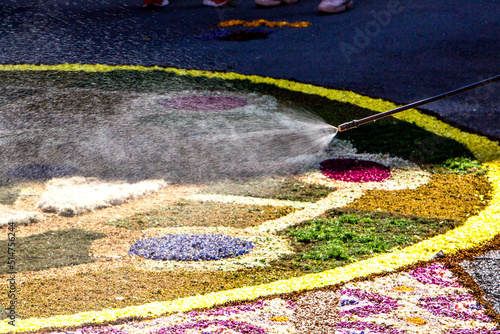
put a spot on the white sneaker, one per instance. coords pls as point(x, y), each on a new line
point(215, 3)
point(335, 6)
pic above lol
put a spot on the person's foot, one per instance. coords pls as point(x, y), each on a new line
point(272, 3)
point(335, 6)
point(217, 3)
point(155, 3)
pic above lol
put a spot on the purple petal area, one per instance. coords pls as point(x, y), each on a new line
point(354, 170)
point(458, 306)
point(475, 331)
point(191, 247)
point(100, 330)
point(229, 310)
point(363, 304)
point(245, 35)
point(435, 273)
point(240, 327)
point(347, 327)
point(204, 103)
point(214, 34)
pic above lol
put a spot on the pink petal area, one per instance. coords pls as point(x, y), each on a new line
point(354, 170)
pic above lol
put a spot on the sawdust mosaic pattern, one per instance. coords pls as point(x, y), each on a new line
point(398, 303)
point(395, 304)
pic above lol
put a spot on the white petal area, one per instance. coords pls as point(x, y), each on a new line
point(19, 217)
point(78, 195)
point(336, 199)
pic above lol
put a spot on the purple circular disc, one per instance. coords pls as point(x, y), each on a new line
point(204, 103)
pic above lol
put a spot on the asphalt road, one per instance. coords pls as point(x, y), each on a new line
point(399, 50)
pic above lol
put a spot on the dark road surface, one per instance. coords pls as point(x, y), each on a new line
point(399, 50)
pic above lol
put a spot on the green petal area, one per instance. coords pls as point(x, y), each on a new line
point(9, 193)
point(52, 249)
point(343, 236)
point(445, 196)
point(286, 188)
point(459, 166)
point(191, 213)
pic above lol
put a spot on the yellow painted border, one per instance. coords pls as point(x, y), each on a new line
point(476, 231)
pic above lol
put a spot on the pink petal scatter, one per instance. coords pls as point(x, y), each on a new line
point(435, 273)
point(354, 170)
point(364, 303)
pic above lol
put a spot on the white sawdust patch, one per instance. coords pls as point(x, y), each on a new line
point(19, 217)
point(336, 199)
point(77, 195)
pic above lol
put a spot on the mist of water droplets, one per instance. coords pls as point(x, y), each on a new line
point(144, 140)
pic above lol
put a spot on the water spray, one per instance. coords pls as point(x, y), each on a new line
point(356, 123)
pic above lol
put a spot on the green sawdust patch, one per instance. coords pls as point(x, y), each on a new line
point(52, 249)
point(9, 193)
point(101, 290)
point(12, 94)
point(459, 166)
point(286, 188)
point(388, 135)
point(450, 196)
point(192, 213)
point(339, 238)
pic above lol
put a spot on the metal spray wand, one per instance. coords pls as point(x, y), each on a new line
point(356, 123)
